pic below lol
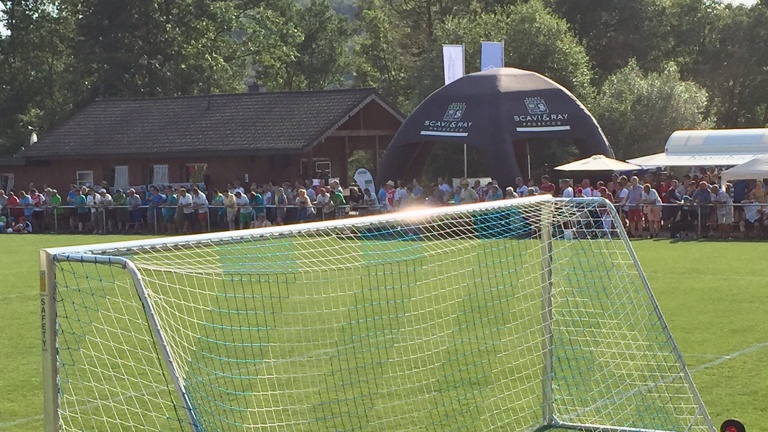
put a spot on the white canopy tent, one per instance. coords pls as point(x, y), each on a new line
point(756, 169)
point(597, 163)
point(713, 147)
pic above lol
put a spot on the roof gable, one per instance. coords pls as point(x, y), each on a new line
point(219, 123)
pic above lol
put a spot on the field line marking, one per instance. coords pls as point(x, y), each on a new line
point(727, 357)
point(30, 293)
point(145, 392)
point(700, 368)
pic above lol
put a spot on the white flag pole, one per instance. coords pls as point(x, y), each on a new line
point(453, 68)
point(465, 161)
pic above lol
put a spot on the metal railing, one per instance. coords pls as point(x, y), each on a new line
point(153, 218)
point(50, 219)
point(696, 212)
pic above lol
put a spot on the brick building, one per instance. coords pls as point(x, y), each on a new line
point(213, 139)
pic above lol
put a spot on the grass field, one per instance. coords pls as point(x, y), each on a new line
point(709, 293)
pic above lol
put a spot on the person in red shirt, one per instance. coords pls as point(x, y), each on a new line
point(38, 213)
point(16, 211)
point(390, 187)
point(546, 187)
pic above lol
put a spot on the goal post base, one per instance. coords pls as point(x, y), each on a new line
point(603, 428)
point(556, 425)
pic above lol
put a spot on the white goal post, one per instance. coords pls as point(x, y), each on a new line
point(530, 314)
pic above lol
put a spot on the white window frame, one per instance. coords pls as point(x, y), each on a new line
point(83, 182)
point(9, 185)
point(157, 174)
point(324, 163)
point(125, 185)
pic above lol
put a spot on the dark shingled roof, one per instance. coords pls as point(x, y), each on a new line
point(243, 123)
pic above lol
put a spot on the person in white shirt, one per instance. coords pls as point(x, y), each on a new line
point(323, 201)
point(200, 204)
point(185, 204)
point(246, 211)
point(335, 187)
point(261, 221)
point(532, 187)
point(103, 203)
point(586, 189)
point(370, 203)
point(753, 216)
point(401, 195)
point(467, 194)
point(238, 188)
point(522, 189)
point(724, 204)
point(652, 208)
point(565, 187)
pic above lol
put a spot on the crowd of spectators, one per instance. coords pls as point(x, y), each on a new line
point(684, 207)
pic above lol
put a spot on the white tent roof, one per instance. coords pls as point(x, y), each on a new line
point(709, 147)
point(753, 170)
point(597, 163)
point(664, 159)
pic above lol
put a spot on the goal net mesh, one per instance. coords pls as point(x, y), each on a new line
point(426, 320)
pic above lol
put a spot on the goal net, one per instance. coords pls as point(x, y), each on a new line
point(528, 315)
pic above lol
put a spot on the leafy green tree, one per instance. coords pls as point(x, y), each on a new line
point(534, 39)
point(155, 48)
point(322, 55)
point(34, 64)
point(652, 32)
point(397, 47)
point(733, 66)
point(638, 111)
point(381, 58)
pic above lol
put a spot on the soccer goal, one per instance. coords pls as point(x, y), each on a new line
point(530, 314)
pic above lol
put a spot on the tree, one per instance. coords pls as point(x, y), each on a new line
point(34, 63)
point(397, 48)
point(652, 32)
point(380, 58)
point(639, 111)
point(733, 66)
point(534, 39)
point(156, 48)
point(322, 55)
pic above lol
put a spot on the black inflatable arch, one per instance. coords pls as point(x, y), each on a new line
point(492, 110)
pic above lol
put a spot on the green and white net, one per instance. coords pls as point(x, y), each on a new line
point(521, 315)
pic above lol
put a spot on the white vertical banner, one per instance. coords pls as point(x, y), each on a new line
point(453, 62)
point(364, 180)
point(491, 55)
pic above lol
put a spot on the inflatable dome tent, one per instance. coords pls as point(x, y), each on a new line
point(492, 111)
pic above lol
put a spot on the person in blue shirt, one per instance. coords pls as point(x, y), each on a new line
point(26, 201)
point(382, 196)
point(156, 201)
point(257, 202)
point(494, 194)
